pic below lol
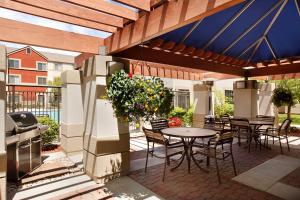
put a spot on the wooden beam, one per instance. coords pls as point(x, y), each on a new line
point(274, 70)
point(143, 5)
point(29, 34)
point(16, 6)
point(159, 56)
point(179, 48)
point(167, 17)
point(75, 11)
point(107, 7)
point(156, 43)
point(168, 45)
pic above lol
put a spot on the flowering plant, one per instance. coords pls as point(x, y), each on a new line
point(175, 122)
point(135, 97)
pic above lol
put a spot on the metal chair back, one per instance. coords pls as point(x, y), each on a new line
point(152, 136)
point(159, 124)
point(284, 128)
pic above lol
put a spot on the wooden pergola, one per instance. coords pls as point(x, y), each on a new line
point(141, 31)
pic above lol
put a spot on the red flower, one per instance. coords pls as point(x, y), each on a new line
point(175, 122)
point(130, 75)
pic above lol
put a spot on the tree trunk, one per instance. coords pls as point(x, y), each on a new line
point(276, 122)
point(289, 112)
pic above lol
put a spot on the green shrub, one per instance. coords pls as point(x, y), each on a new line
point(52, 133)
point(188, 117)
point(178, 112)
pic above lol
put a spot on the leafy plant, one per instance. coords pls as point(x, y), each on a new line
point(52, 133)
point(188, 117)
point(135, 97)
point(178, 112)
point(283, 97)
point(221, 105)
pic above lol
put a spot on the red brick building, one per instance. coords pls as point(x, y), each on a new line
point(26, 66)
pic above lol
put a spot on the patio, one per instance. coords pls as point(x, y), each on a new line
point(199, 185)
point(196, 40)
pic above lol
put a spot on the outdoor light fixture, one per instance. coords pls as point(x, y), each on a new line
point(249, 67)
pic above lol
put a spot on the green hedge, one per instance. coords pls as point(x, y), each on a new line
point(49, 136)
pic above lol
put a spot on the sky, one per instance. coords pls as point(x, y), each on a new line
point(9, 14)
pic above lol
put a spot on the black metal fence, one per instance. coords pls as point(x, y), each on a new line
point(40, 100)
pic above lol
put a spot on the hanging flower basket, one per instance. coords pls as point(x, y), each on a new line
point(136, 97)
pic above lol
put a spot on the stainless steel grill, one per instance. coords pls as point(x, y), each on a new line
point(23, 140)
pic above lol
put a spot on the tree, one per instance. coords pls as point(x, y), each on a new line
point(287, 94)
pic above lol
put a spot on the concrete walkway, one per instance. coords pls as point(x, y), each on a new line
point(266, 176)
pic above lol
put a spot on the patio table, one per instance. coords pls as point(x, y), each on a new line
point(188, 136)
point(258, 123)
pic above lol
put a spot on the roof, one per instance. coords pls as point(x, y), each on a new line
point(21, 49)
point(254, 31)
point(51, 57)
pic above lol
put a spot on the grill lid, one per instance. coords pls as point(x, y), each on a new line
point(21, 122)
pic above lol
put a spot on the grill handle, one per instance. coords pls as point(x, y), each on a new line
point(36, 141)
point(24, 146)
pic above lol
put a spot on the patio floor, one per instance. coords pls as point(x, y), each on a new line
point(199, 185)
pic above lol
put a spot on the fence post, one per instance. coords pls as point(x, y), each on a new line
point(13, 98)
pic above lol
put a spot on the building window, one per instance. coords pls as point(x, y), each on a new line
point(229, 96)
point(57, 67)
point(14, 79)
point(13, 63)
point(42, 66)
point(182, 99)
point(42, 80)
point(41, 99)
point(28, 50)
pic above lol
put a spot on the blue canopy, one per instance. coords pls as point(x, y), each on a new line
point(255, 30)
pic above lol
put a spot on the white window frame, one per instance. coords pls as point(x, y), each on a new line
point(20, 77)
point(37, 65)
point(20, 63)
point(37, 80)
point(27, 49)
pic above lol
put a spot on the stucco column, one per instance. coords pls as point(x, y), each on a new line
point(3, 162)
point(265, 105)
point(106, 140)
point(202, 104)
point(245, 100)
point(72, 127)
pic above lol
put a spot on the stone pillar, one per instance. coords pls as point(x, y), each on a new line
point(72, 127)
point(3, 162)
point(245, 97)
point(265, 105)
point(106, 139)
point(202, 104)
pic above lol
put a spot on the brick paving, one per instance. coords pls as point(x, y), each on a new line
point(199, 185)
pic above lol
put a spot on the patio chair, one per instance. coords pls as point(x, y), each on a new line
point(280, 133)
point(241, 128)
point(213, 150)
point(158, 138)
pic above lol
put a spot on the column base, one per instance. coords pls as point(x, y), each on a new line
point(72, 145)
point(3, 164)
point(103, 168)
point(198, 120)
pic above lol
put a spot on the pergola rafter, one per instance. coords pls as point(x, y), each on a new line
point(75, 11)
point(107, 7)
point(23, 33)
point(49, 14)
point(168, 17)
